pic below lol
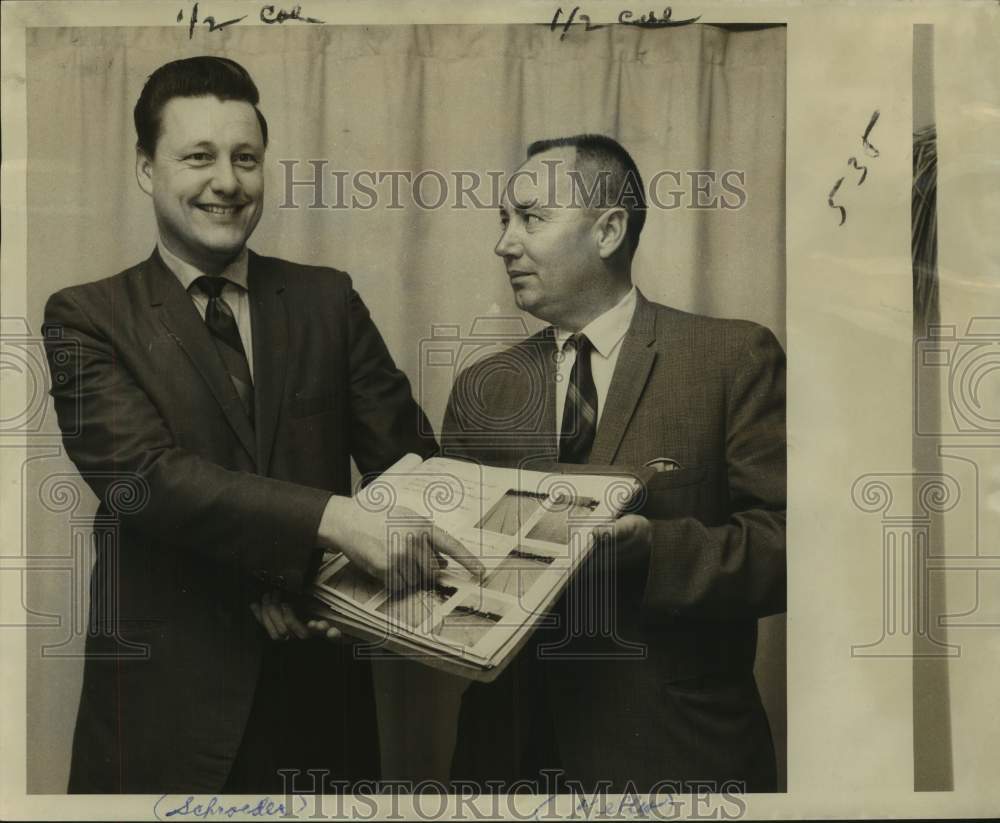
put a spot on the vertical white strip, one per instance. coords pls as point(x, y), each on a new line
point(849, 339)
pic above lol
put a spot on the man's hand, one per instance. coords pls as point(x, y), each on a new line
point(281, 623)
point(323, 627)
point(411, 561)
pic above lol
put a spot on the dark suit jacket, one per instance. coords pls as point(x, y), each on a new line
point(200, 511)
point(669, 694)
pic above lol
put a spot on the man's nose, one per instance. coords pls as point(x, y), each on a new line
point(508, 245)
point(224, 179)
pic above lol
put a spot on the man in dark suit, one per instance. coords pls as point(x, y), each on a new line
point(647, 682)
point(219, 397)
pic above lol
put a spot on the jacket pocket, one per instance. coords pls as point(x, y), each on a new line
point(693, 492)
point(678, 478)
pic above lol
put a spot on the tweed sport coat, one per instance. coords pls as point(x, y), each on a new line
point(668, 694)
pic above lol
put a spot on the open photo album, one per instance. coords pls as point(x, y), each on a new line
point(530, 529)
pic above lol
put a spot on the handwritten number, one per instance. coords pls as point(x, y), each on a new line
point(854, 164)
point(565, 26)
point(213, 26)
point(571, 20)
point(209, 21)
point(829, 200)
point(870, 150)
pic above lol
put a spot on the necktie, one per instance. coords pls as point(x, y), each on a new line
point(226, 334)
point(579, 422)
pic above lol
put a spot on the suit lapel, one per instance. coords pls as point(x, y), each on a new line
point(521, 410)
point(269, 317)
point(549, 445)
point(631, 373)
point(179, 315)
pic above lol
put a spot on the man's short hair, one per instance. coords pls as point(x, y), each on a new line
point(605, 168)
point(204, 76)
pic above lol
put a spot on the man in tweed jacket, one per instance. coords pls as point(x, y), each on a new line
point(650, 684)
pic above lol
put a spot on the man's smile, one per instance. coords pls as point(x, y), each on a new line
point(223, 211)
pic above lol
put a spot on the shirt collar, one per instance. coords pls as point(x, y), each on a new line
point(235, 272)
point(605, 331)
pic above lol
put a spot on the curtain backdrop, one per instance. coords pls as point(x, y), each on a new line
point(438, 99)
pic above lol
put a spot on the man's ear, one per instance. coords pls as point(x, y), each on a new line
point(611, 227)
point(144, 171)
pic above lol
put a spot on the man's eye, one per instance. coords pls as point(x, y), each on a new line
point(199, 157)
point(528, 218)
point(248, 161)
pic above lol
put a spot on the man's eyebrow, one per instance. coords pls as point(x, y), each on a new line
point(197, 144)
point(530, 204)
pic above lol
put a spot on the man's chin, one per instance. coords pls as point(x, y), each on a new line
point(535, 305)
point(525, 298)
point(218, 254)
point(223, 247)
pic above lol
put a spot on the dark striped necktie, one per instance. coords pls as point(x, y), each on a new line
point(579, 421)
point(226, 334)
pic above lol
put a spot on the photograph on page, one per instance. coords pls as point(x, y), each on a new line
point(509, 411)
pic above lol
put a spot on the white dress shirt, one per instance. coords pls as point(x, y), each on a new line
point(605, 333)
point(234, 293)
